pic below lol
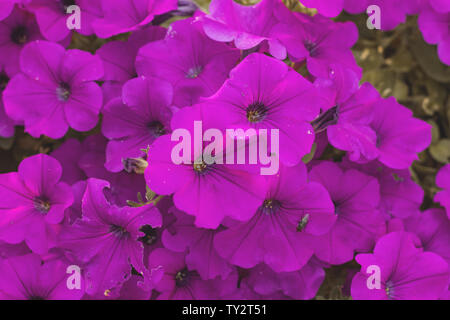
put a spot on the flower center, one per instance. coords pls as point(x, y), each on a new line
point(35, 298)
point(270, 206)
point(4, 79)
point(380, 139)
point(156, 128)
point(336, 208)
point(194, 72)
point(119, 231)
point(150, 236)
point(389, 289)
point(311, 47)
point(63, 92)
point(201, 168)
point(181, 278)
point(19, 35)
point(41, 204)
point(256, 112)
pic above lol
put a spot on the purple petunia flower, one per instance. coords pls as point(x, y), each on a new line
point(7, 6)
point(119, 58)
point(432, 227)
point(27, 277)
point(245, 292)
point(91, 160)
point(105, 241)
point(202, 255)
point(333, 8)
point(195, 65)
point(406, 272)
point(400, 136)
point(8, 250)
point(132, 289)
point(61, 83)
point(207, 191)
point(133, 125)
point(347, 114)
point(264, 93)
point(120, 16)
point(181, 283)
point(6, 124)
point(359, 223)
point(86, 160)
point(152, 238)
point(443, 181)
point(393, 12)
point(434, 22)
point(68, 154)
point(16, 31)
point(319, 41)
point(279, 234)
point(186, 8)
point(248, 26)
point(299, 285)
point(327, 8)
point(440, 5)
point(74, 212)
point(52, 16)
point(400, 196)
point(33, 202)
point(137, 287)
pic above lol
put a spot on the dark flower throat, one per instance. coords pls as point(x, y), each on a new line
point(156, 128)
point(256, 112)
point(63, 92)
point(270, 206)
point(182, 277)
point(4, 79)
point(41, 204)
point(19, 35)
point(150, 235)
point(119, 231)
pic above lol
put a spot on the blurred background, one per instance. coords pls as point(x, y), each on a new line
point(398, 63)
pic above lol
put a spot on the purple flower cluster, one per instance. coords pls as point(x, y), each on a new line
point(135, 224)
point(434, 20)
point(393, 12)
point(434, 16)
